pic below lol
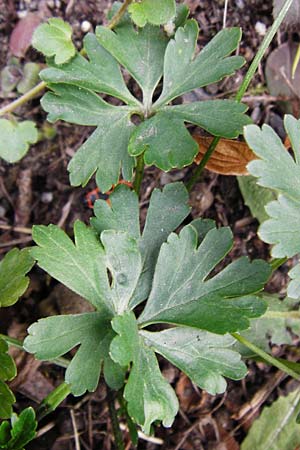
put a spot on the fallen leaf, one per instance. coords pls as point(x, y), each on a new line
point(229, 158)
point(20, 39)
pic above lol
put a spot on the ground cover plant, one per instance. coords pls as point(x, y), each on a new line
point(164, 289)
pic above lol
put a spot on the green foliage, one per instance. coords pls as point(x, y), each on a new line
point(125, 267)
point(147, 54)
point(54, 39)
point(156, 12)
point(8, 371)
point(15, 139)
point(13, 281)
point(279, 170)
point(21, 430)
point(256, 197)
point(277, 427)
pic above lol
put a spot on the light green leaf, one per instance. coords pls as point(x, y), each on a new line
point(205, 357)
point(81, 266)
point(276, 428)
point(167, 143)
point(141, 52)
point(124, 262)
point(184, 72)
point(294, 285)
point(107, 143)
point(16, 138)
point(256, 197)
point(30, 77)
point(156, 12)
point(149, 395)
point(23, 429)
point(7, 400)
point(100, 73)
point(54, 336)
point(54, 39)
point(167, 209)
point(13, 281)
point(182, 294)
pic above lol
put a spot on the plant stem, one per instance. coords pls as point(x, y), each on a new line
point(265, 356)
point(23, 99)
point(53, 400)
point(114, 420)
point(61, 362)
point(275, 263)
point(244, 86)
point(117, 17)
point(139, 172)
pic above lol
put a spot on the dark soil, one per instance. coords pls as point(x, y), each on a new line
point(37, 191)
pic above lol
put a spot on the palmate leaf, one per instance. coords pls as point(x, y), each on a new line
point(143, 53)
point(167, 209)
point(149, 395)
point(13, 280)
point(205, 357)
point(279, 170)
point(181, 293)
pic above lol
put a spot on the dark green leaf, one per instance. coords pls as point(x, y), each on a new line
point(205, 357)
point(13, 281)
point(23, 429)
point(7, 400)
point(149, 395)
point(182, 294)
point(7, 366)
point(54, 336)
point(184, 72)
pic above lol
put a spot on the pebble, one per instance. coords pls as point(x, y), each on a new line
point(47, 197)
point(86, 26)
point(260, 28)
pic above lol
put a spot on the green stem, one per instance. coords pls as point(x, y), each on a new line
point(23, 99)
point(275, 263)
point(53, 400)
point(61, 362)
point(265, 356)
point(117, 17)
point(244, 86)
point(114, 420)
point(139, 172)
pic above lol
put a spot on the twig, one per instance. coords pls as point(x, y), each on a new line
point(24, 230)
point(117, 17)
point(76, 436)
point(23, 240)
point(23, 99)
point(139, 172)
point(225, 13)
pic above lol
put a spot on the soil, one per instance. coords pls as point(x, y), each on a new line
point(37, 191)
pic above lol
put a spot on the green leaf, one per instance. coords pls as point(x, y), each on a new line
point(167, 143)
point(16, 138)
point(7, 400)
point(54, 336)
point(205, 357)
point(81, 266)
point(156, 12)
point(8, 369)
point(273, 326)
point(107, 143)
point(166, 211)
point(294, 285)
point(149, 395)
point(184, 72)
point(182, 294)
point(256, 197)
point(30, 77)
point(100, 73)
point(54, 39)
point(13, 281)
point(114, 374)
point(23, 429)
point(141, 52)
point(277, 427)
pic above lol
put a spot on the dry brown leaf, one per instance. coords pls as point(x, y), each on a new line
point(229, 158)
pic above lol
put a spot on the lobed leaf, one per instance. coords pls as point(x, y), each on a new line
point(149, 395)
point(54, 39)
point(156, 12)
point(16, 138)
point(184, 72)
point(7, 400)
point(181, 293)
point(55, 336)
point(206, 358)
point(7, 372)
point(23, 429)
point(13, 280)
point(294, 285)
